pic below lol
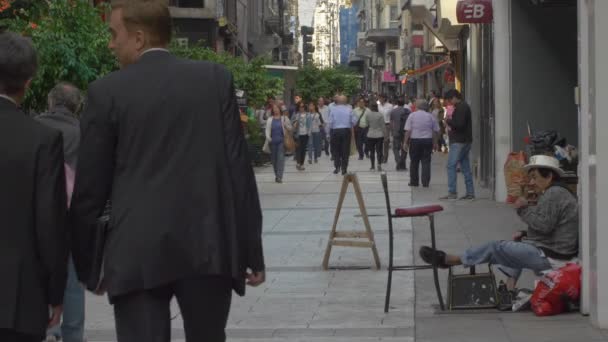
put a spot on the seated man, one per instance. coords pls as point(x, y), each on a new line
point(552, 233)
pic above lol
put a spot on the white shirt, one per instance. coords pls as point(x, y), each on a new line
point(386, 109)
point(153, 49)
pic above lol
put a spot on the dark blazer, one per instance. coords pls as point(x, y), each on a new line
point(162, 139)
point(62, 120)
point(33, 234)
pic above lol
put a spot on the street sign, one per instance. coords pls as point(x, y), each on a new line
point(474, 11)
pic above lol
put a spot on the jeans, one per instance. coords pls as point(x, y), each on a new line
point(420, 152)
point(375, 146)
point(314, 145)
point(72, 325)
point(400, 154)
point(277, 157)
point(512, 256)
point(301, 150)
point(459, 154)
point(361, 141)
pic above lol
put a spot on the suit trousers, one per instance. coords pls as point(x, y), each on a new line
point(361, 141)
point(301, 150)
point(340, 143)
point(420, 152)
point(204, 303)
point(400, 154)
point(8, 335)
point(375, 149)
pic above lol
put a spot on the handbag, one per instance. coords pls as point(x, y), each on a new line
point(288, 141)
point(96, 276)
point(266, 147)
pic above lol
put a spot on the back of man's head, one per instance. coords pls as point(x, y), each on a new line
point(421, 104)
point(18, 63)
point(150, 16)
point(453, 93)
point(65, 95)
point(400, 102)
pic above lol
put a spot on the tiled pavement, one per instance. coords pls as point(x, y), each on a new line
point(300, 301)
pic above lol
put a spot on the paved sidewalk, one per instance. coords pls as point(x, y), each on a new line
point(464, 224)
point(301, 302)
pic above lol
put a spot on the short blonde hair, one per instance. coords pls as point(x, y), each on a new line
point(152, 16)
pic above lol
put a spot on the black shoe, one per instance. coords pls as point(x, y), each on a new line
point(413, 185)
point(425, 186)
point(360, 158)
point(344, 172)
point(437, 258)
point(336, 171)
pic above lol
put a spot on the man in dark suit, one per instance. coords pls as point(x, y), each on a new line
point(161, 139)
point(33, 205)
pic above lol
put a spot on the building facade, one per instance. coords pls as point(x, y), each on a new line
point(326, 39)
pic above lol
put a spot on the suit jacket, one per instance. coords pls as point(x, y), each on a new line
point(33, 234)
point(162, 139)
point(61, 119)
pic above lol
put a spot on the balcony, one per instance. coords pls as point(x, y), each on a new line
point(382, 35)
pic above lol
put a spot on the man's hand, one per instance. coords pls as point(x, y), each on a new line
point(517, 236)
point(256, 279)
point(56, 312)
point(520, 203)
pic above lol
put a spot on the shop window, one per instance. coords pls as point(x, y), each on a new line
point(187, 3)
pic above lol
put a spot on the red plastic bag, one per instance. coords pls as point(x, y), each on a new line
point(556, 289)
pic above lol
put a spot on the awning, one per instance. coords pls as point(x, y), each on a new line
point(445, 32)
point(425, 69)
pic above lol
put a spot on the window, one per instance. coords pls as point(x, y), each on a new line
point(394, 13)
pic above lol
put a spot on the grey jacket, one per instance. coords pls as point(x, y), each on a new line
point(377, 126)
point(553, 223)
point(63, 120)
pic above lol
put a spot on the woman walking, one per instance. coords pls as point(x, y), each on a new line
point(276, 128)
point(303, 126)
point(314, 144)
point(375, 135)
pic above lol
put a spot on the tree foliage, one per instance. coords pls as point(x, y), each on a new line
point(313, 82)
point(71, 40)
point(251, 76)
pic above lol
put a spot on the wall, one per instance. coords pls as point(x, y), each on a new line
point(544, 70)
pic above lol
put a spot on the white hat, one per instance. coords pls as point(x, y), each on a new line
point(544, 162)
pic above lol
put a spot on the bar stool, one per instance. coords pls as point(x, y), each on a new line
point(419, 211)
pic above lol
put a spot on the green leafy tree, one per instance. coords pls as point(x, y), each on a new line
point(313, 82)
point(71, 40)
point(251, 76)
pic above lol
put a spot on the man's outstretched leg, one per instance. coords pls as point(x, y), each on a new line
point(513, 256)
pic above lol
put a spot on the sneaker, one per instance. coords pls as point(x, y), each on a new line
point(372, 169)
point(309, 161)
point(468, 198)
point(379, 168)
point(51, 338)
point(279, 180)
point(336, 171)
point(449, 197)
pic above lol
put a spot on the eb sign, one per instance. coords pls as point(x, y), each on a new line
point(474, 11)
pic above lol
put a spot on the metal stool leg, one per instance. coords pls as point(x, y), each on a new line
point(435, 271)
point(390, 266)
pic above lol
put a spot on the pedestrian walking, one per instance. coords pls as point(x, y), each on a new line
point(460, 128)
point(325, 133)
point(375, 135)
point(439, 114)
point(302, 124)
point(385, 109)
point(341, 120)
point(33, 205)
point(276, 128)
point(399, 117)
point(64, 102)
point(314, 143)
point(361, 128)
point(186, 221)
point(421, 136)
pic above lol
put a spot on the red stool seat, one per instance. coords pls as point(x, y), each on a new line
point(418, 211)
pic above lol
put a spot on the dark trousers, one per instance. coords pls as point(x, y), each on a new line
point(387, 144)
point(325, 140)
point(375, 148)
point(400, 154)
point(204, 304)
point(8, 335)
point(340, 146)
point(420, 152)
point(361, 141)
point(301, 151)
